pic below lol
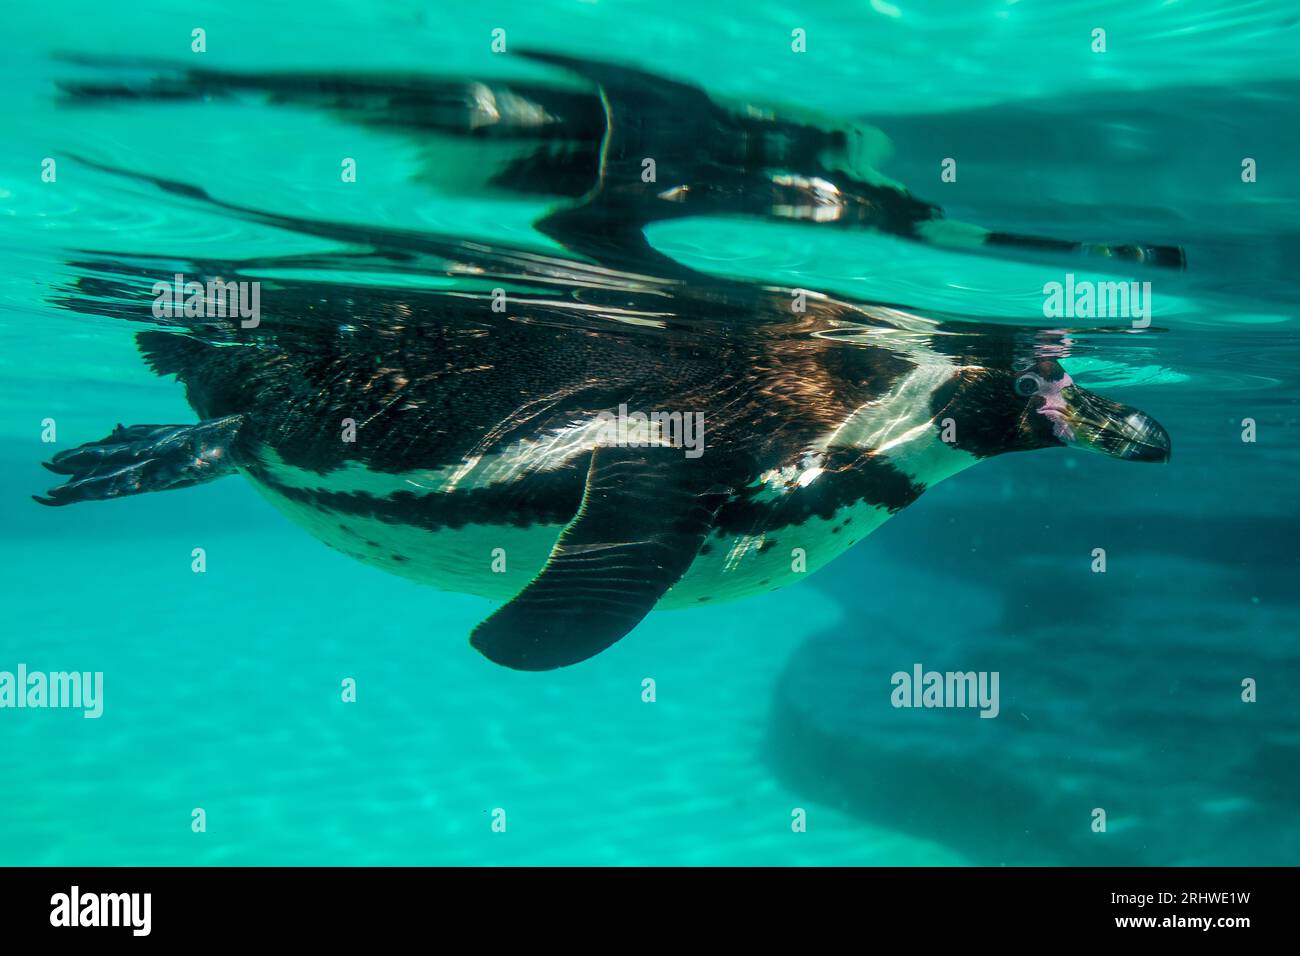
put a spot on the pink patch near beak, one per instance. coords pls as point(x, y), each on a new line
point(1054, 407)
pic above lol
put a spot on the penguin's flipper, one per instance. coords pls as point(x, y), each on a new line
point(643, 517)
point(620, 83)
point(611, 235)
point(645, 116)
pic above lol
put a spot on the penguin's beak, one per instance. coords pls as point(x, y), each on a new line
point(1089, 421)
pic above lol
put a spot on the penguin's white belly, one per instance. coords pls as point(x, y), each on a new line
point(492, 561)
point(497, 561)
point(732, 566)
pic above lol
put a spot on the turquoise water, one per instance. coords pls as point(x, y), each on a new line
point(1119, 690)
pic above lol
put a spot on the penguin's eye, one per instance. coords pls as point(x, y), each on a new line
point(1026, 385)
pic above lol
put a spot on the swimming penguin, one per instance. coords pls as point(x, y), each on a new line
point(605, 443)
point(621, 149)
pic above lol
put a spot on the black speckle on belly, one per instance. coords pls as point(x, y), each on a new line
point(851, 480)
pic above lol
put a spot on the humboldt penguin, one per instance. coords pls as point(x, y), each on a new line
point(592, 445)
point(615, 150)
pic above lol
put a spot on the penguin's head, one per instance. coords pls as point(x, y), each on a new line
point(1033, 403)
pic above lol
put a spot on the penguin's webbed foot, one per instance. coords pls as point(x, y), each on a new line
point(141, 458)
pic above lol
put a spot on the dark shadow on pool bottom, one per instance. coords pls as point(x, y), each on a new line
point(1130, 702)
point(925, 780)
